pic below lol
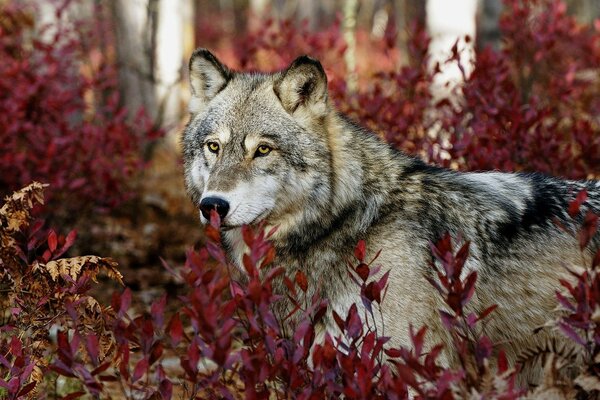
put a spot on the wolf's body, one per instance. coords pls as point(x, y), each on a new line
point(327, 183)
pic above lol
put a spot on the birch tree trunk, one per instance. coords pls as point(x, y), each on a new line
point(135, 22)
point(450, 22)
point(349, 25)
point(151, 40)
point(173, 16)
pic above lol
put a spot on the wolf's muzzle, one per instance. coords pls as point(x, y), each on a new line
point(214, 203)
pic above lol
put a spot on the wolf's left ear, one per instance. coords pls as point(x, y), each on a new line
point(303, 84)
point(208, 76)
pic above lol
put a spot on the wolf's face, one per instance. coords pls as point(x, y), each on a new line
point(255, 146)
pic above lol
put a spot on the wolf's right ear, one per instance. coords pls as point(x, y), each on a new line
point(208, 76)
point(303, 85)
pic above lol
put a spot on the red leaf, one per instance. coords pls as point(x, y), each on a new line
point(408, 376)
point(565, 302)
point(140, 369)
point(469, 288)
point(15, 346)
point(156, 352)
point(213, 233)
point(175, 329)
point(576, 203)
point(289, 284)
point(268, 258)
point(502, 361)
point(74, 395)
point(101, 368)
point(372, 292)
point(338, 320)
point(362, 270)
point(91, 344)
point(158, 310)
point(487, 312)
point(166, 389)
point(447, 319)
point(483, 349)
point(301, 280)
point(26, 389)
point(570, 333)
point(125, 301)
point(359, 251)
point(61, 371)
point(382, 283)
point(52, 241)
point(417, 339)
point(70, 239)
point(248, 235)
point(393, 352)
point(354, 324)
point(215, 219)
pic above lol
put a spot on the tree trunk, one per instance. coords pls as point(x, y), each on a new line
point(174, 16)
point(151, 41)
point(450, 22)
point(135, 26)
point(349, 24)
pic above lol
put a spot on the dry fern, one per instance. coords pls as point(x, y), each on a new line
point(14, 215)
point(562, 350)
point(36, 296)
point(75, 266)
point(553, 387)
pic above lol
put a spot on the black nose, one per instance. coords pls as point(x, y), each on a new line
point(214, 203)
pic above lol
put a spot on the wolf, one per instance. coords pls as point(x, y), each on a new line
point(271, 148)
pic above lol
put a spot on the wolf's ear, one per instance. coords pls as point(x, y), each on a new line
point(303, 84)
point(208, 76)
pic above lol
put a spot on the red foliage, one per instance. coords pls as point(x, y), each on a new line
point(229, 339)
point(581, 301)
point(517, 113)
point(531, 106)
point(58, 124)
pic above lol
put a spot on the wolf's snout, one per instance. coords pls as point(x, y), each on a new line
point(214, 203)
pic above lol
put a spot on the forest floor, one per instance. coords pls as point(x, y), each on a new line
point(158, 223)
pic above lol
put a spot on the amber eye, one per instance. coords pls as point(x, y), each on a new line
point(262, 150)
point(213, 147)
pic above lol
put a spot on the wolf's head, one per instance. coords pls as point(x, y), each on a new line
point(256, 146)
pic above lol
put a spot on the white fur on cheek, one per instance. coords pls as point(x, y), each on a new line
point(249, 201)
point(199, 174)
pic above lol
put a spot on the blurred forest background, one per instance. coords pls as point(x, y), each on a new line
point(93, 96)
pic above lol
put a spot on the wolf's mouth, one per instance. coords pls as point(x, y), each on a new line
point(255, 221)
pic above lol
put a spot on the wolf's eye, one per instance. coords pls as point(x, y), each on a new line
point(213, 147)
point(262, 150)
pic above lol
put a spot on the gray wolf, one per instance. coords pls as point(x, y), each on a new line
point(271, 147)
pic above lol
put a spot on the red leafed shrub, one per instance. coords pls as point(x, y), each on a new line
point(581, 300)
point(58, 124)
point(533, 105)
point(225, 338)
point(42, 293)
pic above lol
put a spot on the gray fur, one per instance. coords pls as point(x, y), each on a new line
point(329, 183)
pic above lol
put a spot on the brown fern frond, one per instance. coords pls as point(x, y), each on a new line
point(14, 215)
point(75, 266)
point(563, 350)
point(16, 209)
